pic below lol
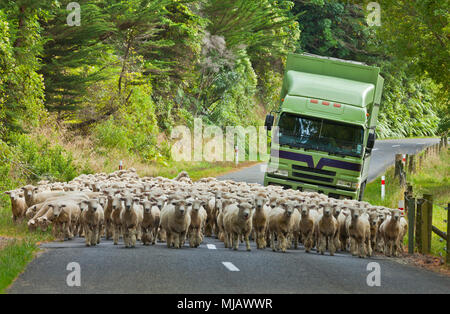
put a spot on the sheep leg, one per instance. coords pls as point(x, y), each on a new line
point(235, 241)
point(362, 248)
point(331, 245)
point(369, 247)
point(272, 241)
point(133, 237)
point(182, 239)
point(284, 241)
point(247, 241)
point(116, 234)
point(296, 236)
point(322, 243)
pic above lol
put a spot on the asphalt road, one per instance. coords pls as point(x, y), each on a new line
point(213, 269)
point(382, 157)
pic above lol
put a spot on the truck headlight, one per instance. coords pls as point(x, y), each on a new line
point(278, 172)
point(283, 173)
point(347, 184)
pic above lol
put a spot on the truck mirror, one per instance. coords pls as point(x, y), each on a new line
point(371, 140)
point(269, 122)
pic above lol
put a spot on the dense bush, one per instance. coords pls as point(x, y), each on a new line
point(35, 159)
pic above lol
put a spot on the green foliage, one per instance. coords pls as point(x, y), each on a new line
point(21, 87)
point(38, 159)
point(418, 32)
point(73, 56)
point(134, 128)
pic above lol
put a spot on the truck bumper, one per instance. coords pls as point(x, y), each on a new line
point(295, 185)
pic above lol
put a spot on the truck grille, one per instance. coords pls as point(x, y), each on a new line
point(311, 177)
point(319, 171)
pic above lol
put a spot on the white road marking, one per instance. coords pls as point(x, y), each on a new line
point(374, 149)
point(230, 266)
point(211, 246)
point(395, 145)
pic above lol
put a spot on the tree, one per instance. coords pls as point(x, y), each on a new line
point(74, 56)
point(21, 87)
point(418, 32)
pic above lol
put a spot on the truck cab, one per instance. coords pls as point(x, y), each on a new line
point(323, 131)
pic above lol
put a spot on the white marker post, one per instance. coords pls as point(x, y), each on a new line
point(401, 207)
point(120, 165)
point(404, 159)
point(383, 188)
point(236, 153)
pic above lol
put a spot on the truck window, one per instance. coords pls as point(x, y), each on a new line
point(319, 134)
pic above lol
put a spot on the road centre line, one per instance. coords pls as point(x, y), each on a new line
point(230, 266)
point(211, 246)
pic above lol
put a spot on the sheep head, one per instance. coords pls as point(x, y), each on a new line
point(395, 214)
point(355, 212)
point(129, 201)
point(197, 204)
point(245, 210)
point(147, 206)
point(116, 203)
point(260, 200)
point(91, 205)
point(181, 206)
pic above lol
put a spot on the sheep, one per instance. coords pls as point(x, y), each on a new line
point(343, 235)
point(374, 225)
point(220, 224)
point(116, 209)
point(295, 233)
point(92, 219)
point(42, 222)
point(131, 217)
point(358, 229)
point(65, 218)
point(327, 230)
point(403, 231)
point(108, 211)
point(390, 232)
point(280, 225)
point(307, 226)
point(150, 222)
point(336, 207)
point(237, 221)
point(259, 221)
point(198, 220)
point(18, 205)
point(175, 220)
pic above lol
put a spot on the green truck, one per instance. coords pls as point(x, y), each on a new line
point(323, 131)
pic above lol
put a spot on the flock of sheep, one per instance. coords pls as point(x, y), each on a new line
point(122, 204)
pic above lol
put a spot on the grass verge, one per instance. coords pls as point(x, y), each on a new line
point(433, 177)
point(14, 257)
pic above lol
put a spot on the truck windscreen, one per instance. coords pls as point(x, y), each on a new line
point(322, 135)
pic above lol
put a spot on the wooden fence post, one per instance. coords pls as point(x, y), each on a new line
point(448, 233)
point(411, 207)
point(398, 165)
point(427, 215)
point(412, 164)
point(419, 207)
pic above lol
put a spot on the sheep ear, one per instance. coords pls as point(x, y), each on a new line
point(8, 192)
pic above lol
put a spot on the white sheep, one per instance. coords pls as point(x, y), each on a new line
point(175, 220)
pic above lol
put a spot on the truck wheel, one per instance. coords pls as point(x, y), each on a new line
point(361, 191)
